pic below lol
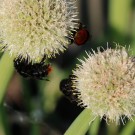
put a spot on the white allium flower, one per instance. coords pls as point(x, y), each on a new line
point(36, 27)
point(106, 83)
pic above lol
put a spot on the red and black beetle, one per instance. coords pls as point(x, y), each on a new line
point(80, 35)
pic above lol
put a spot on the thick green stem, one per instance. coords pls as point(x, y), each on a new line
point(119, 15)
point(94, 128)
point(112, 128)
point(6, 71)
point(129, 128)
point(81, 124)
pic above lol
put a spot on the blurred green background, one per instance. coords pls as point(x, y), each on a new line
point(33, 107)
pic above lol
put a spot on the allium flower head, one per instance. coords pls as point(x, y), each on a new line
point(106, 83)
point(36, 27)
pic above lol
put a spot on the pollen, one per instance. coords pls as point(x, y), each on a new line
point(105, 82)
point(36, 28)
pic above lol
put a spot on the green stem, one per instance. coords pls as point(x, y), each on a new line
point(119, 14)
point(133, 36)
point(6, 71)
point(4, 122)
point(1, 129)
point(81, 124)
point(129, 128)
point(94, 128)
point(112, 128)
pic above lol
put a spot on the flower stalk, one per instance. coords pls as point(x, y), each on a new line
point(81, 124)
point(94, 128)
point(122, 9)
point(6, 72)
point(129, 128)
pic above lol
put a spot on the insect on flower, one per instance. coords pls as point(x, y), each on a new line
point(67, 89)
point(80, 35)
point(32, 70)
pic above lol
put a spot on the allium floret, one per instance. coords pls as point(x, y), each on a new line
point(106, 83)
point(36, 27)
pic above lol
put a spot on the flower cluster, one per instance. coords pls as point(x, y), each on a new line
point(105, 82)
point(36, 28)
